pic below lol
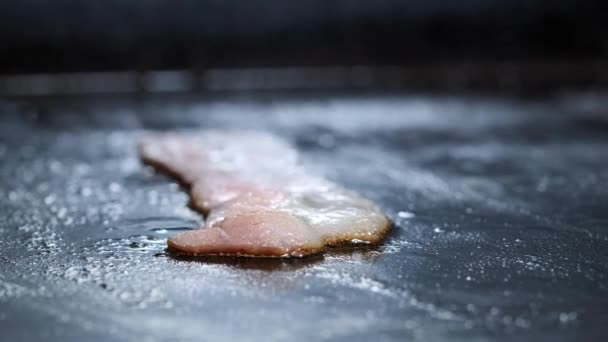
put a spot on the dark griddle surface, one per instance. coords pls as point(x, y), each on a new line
point(503, 231)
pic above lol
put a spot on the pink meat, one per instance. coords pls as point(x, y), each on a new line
point(258, 200)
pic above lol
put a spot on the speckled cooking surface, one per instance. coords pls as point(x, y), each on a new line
point(500, 209)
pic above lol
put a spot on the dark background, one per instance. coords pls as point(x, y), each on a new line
point(68, 35)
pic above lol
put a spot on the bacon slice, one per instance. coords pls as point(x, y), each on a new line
point(259, 202)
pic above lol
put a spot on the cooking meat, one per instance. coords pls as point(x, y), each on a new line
point(259, 202)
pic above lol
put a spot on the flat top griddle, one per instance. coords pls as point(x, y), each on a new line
point(500, 210)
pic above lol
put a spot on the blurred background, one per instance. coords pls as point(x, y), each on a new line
point(70, 46)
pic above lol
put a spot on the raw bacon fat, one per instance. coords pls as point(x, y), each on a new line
point(258, 201)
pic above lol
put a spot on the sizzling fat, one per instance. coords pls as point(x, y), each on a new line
point(259, 201)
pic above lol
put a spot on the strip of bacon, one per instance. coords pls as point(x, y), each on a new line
point(259, 202)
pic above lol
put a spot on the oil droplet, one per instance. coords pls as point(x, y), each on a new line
point(86, 192)
point(12, 196)
point(50, 199)
point(405, 214)
point(62, 212)
point(566, 317)
point(358, 241)
point(115, 187)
